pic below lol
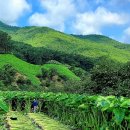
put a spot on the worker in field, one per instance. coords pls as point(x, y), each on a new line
point(35, 105)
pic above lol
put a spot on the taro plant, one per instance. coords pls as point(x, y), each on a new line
point(3, 106)
point(82, 112)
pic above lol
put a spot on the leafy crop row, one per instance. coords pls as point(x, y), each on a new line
point(81, 111)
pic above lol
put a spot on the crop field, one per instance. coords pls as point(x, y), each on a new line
point(64, 112)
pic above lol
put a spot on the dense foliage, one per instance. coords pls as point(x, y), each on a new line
point(106, 78)
point(4, 42)
point(87, 112)
point(41, 55)
point(111, 78)
point(11, 79)
point(27, 73)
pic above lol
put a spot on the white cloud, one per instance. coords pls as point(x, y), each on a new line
point(126, 35)
point(93, 22)
point(57, 13)
point(12, 10)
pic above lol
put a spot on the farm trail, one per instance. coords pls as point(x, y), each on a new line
point(32, 121)
point(46, 123)
point(19, 122)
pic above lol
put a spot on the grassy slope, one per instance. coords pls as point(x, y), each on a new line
point(31, 70)
point(23, 67)
point(54, 40)
point(49, 38)
point(62, 70)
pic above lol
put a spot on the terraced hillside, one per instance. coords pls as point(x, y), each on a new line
point(85, 45)
point(31, 70)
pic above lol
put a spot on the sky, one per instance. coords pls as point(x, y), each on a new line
point(105, 17)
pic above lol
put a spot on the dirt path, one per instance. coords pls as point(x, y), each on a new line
point(21, 123)
point(32, 121)
point(46, 123)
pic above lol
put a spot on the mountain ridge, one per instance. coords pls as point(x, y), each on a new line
point(55, 40)
point(88, 37)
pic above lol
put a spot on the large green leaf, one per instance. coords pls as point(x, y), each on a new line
point(3, 105)
point(119, 115)
point(125, 103)
point(83, 106)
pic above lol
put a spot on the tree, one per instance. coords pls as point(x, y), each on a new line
point(4, 42)
point(7, 73)
point(105, 74)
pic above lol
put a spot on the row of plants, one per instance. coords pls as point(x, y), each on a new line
point(90, 112)
point(83, 112)
point(3, 110)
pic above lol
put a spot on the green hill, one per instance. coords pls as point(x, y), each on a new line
point(84, 45)
point(54, 51)
point(7, 28)
point(98, 39)
point(30, 70)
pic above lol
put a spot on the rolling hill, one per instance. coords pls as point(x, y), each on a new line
point(30, 70)
point(7, 28)
point(85, 59)
point(82, 45)
point(98, 39)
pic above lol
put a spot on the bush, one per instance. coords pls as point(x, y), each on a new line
point(7, 74)
point(4, 42)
